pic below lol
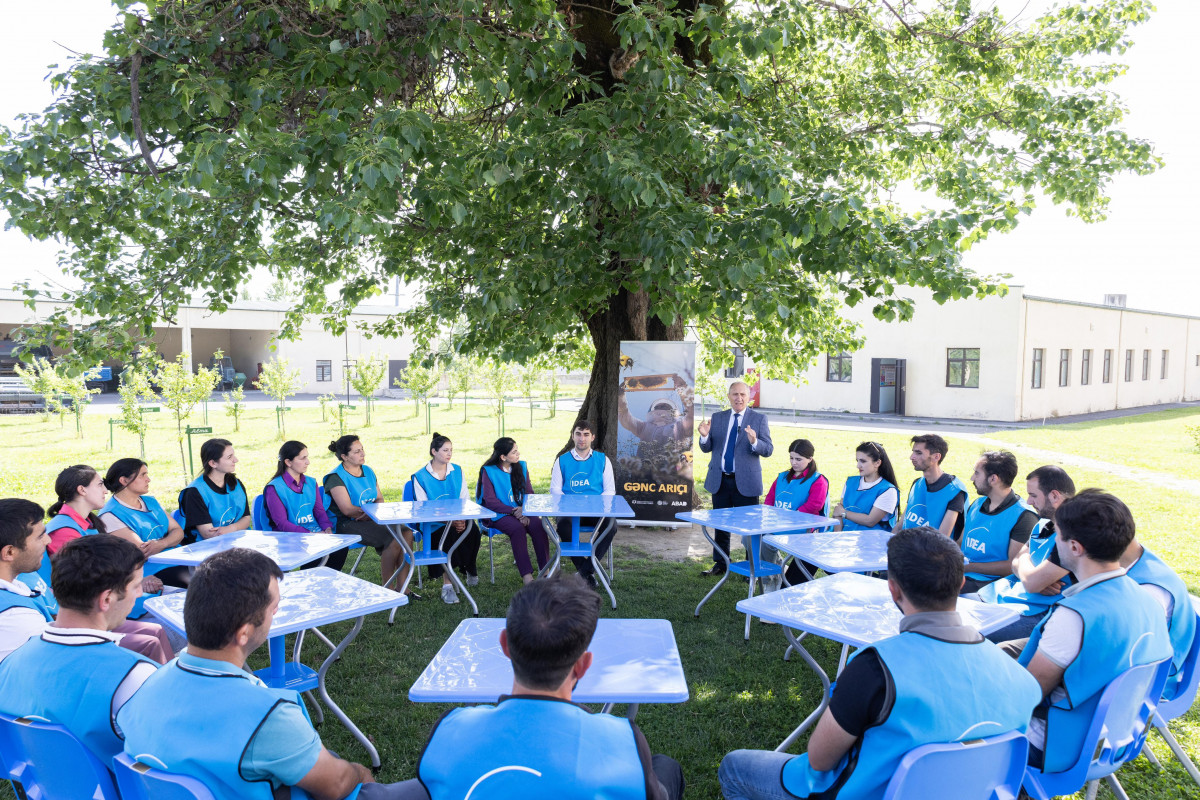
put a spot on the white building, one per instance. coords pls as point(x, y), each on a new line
point(1016, 357)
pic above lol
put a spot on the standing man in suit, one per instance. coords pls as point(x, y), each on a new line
point(741, 438)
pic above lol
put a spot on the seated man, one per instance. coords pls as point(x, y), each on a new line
point(26, 604)
point(582, 470)
point(536, 741)
point(998, 524)
point(937, 681)
point(74, 673)
point(1104, 624)
point(265, 741)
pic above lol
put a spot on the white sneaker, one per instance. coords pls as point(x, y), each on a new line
point(472, 580)
point(449, 596)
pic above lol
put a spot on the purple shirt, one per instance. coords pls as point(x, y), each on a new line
point(278, 514)
point(490, 501)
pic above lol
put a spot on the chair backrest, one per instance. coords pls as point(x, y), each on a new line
point(49, 762)
point(1189, 680)
point(982, 769)
point(141, 781)
point(258, 514)
point(180, 520)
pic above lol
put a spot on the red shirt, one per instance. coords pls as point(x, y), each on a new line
point(63, 535)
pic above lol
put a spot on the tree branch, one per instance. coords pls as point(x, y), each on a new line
point(135, 106)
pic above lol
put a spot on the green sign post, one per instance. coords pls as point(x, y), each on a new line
point(189, 431)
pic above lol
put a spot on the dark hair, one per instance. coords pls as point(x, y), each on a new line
point(340, 447)
point(875, 450)
point(289, 450)
point(803, 447)
point(212, 450)
point(1097, 520)
point(127, 468)
point(927, 566)
point(500, 448)
point(17, 518)
point(583, 425)
point(1002, 464)
point(438, 442)
point(550, 624)
point(87, 566)
point(228, 590)
point(67, 486)
point(1053, 479)
point(933, 443)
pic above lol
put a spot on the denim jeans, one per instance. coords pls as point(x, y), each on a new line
point(754, 775)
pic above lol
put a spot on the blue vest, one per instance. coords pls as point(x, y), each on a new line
point(72, 685)
point(928, 508)
point(793, 494)
point(360, 490)
point(1123, 626)
point(40, 582)
point(502, 485)
point(1150, 569)
point(945, 692)
point(60, 521)
point(985, 536)
point(224, 508)
point(1011, 592)
point(861, 502)
point(448, 487)
point(148, 525)
point(299, 505)
point(582, 477)
point(40, 601)
point(157, 722)
point(532, 749)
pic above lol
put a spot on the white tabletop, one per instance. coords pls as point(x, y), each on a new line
point(849, 551)
point(753, 520)
point(307, 598)
point(634, 661)
point(411, 512)
point(288, 550)
point(576, 505)
point(855, 610)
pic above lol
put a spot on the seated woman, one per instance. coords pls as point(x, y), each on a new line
point(503, 484)
point(439, 479)
point(350, 486)
point(80, 492)
point(295, 503)
point(870, 500)
point(132, 514)
point(216, 502)
point(801, 488)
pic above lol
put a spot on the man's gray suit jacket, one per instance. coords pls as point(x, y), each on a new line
point(747, 463)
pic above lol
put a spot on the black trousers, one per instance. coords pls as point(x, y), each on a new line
point(728, 497)
point(466, 556)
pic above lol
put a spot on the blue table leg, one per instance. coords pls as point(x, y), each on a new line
point(724, 575)
point(275, 646)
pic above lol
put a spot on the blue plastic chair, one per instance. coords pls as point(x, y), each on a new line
point(50, 763)
point(981, 769)
point(258, 514)
point(180, 520)
point(138, 780)
point(1116, 735)
point(1182, 702)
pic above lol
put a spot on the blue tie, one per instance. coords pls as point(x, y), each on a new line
point(729, 445)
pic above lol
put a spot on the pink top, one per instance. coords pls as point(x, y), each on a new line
point(279, 514)
point(63, 535)
point(815, 504)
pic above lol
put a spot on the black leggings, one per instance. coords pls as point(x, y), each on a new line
point(466, 556)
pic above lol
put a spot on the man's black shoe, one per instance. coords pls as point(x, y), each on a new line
point(715, 572)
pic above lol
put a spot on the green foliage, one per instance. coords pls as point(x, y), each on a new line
point(461, 378)
point(75, 388)
point(323, 401)
point(366, 376)
point(498, 381)
point(40, 376)
point(711, 385)
point(235, 406)
point(1194, 432)
point(529, 375)
point(420, 382)
point(182, 391)
point(279, 381)
point(135, 390)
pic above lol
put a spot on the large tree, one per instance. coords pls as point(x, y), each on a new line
point(547, 170)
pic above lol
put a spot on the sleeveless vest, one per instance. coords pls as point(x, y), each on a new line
point(60, 521)
point(985, 536)
point(945, 692)
point(501, 484)
point(148, 525)
point(299, 505)
point(1123, 626)
point(1150, 569)
point(862, 501)
point(72, 685)
point(793, 494)
point(40, 601)
point(156, 723)
point(929, 508)
point(360, 490)
point(574, 754)
point(1009, 591)
point(448, 487)
point(223, 508)
point(582, 477)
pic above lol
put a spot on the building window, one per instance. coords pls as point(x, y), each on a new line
point(1166, 354)
point(1145, 365)
point(839, 368)
point(1128, 366)
point(1038, 356)
point(324, 371)
point(1106, 372)
point(1085, 368)
point(1064, 367)
point(962, 367)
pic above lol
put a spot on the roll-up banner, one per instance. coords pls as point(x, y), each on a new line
point(654, 440)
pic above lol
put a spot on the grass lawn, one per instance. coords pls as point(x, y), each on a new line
point(742, 693)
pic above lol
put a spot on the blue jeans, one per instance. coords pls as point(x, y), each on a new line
point(754, 775)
